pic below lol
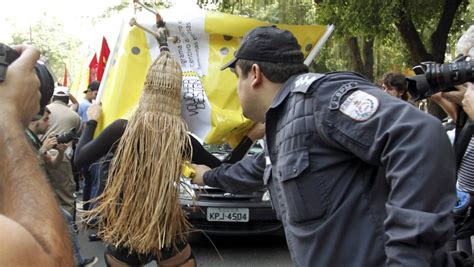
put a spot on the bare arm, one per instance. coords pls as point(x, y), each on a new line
point(15, 238)
point(30, 218)
point(54, 161)
point(448, 106)
point(75, 104)
point(50, 160)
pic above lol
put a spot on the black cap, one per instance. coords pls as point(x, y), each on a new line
point(268, 44)
point(93, 86)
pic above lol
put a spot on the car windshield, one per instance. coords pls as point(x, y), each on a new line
point(221, 151)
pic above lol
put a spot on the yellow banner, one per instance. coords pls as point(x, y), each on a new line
point(207, 40)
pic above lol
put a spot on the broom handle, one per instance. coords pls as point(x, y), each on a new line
point(314, 52)
point(133, 22)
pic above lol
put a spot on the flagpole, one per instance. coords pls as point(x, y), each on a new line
point(111, 58)
point(315, 51)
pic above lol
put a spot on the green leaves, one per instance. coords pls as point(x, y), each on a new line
point(49, 36)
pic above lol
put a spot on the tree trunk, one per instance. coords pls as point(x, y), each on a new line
point(369, 58)
point(439, 37)
point(438, 40)
point(362, 63)
point(284, 10)
point(411, 37)
point(357, 64)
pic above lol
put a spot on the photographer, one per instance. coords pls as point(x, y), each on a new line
point(62, 120)
point(446, 82)
point(63, 123)
point(37, 127)
point(32, 228)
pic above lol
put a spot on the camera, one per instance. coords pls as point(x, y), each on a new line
point(66, 137)
point(8, 55)
point(433, 77)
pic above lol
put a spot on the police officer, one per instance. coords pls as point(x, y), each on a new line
point(357, 177)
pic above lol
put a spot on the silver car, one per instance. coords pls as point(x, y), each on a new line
point(215, 211)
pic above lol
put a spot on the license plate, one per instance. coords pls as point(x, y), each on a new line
point(228, 214)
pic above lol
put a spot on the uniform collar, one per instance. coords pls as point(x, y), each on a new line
point(283, 93)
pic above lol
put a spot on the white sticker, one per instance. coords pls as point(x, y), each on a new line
point(360, 106)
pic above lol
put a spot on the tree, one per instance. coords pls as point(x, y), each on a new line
point(372, 36)
point(49, 36)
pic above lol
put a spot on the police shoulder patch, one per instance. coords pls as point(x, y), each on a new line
point(360, 106)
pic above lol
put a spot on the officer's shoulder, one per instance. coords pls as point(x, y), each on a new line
point(350, 94)
point(302, 82)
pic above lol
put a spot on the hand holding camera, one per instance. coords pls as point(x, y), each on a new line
point(49, 143)
point(455, 96)
point(66, 137)
point(20, 95)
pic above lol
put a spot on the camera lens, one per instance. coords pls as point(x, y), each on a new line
point(46, 84)
point(66, 137)
point(439, 77)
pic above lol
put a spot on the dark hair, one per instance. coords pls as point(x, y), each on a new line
point(274, 72)
point(64, 99)
point(38, 116)
point(398, 82)
point(94, 85)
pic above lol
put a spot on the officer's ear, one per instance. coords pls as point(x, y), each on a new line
point(257, 74)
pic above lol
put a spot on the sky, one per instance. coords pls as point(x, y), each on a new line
point(75, 14)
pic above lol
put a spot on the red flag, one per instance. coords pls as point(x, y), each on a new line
point(104, 56)
point(93, 69)
point(65, 75)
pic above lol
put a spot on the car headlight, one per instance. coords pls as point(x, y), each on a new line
point(185, 190)
point(266, 196)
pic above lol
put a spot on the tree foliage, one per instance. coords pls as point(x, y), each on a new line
point(372, 36)
point(49, 36)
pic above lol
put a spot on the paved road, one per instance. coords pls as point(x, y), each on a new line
point(235, 251)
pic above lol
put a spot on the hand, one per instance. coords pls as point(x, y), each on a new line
point(61, 148)
point(436, 97)
point(199, 177)
point(73, 99)
point(20, 90)
point(449, 107)
point(94, 111)
point(74, 107)
point(468, 101)
point(455, 96)
point(49, 142)
point(257, 131)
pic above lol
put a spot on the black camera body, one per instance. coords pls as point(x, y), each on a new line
point(433, 77)
point(66, 137)
point(8, 55)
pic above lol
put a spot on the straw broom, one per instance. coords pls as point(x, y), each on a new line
point(139, 207)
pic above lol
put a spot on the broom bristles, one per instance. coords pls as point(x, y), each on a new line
point(139, 208)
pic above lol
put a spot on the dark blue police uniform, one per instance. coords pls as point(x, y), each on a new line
point(358, 178)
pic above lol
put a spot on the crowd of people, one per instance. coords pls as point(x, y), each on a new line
point(345, 161)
